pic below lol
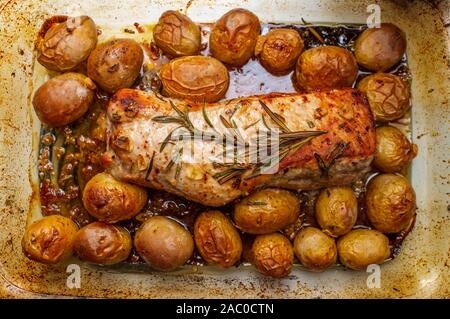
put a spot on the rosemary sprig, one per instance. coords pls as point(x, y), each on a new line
point(167, 119)
point(229, 174)
point(236, 135)
point(170, 165)
point(284, 150)
point(225, 122)
point(237, 132)
point(173, 161)
point(168, 139)
point(158, 96)
point(150, 167)
point(265, 122)
point(299, 134)
point(184, 115)
point(182, 119)
point(322, 165)
point(289, 141)
point(205, 116)
point(276, 118)
point(250, 125)
point(313, 31)
point(178, 169)
point(336, 152)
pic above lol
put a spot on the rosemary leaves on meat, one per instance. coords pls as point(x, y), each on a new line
point(289, 141)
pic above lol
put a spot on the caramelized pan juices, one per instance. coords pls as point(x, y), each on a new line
point(112, 158)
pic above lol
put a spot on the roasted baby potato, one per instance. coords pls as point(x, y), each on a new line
point(176, 35)
point(278, 50)
point(379, 49)
point(363, 247)
point(102, 243)
point(233, 37)
point(394, 151)
point(217, 239)
point(115, 64)
point(388, 96)
point(273, 255)
point(163, 243)
point(110, 200)
point(266, 211)
point(63, 99)
point(336, 210)
point(67, 42)
point(195, 78)
point(315, 249)
point(326, 67)
point(50, 239)
point(391, 203)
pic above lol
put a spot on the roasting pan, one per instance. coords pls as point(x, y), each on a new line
point(421, 269)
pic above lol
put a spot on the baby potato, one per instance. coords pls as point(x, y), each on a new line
point(266, 211)
point(195, 78)
point(217, 239)
point(379, 49)
point(388, 96)
point(363, 247)
point(336, 210)
point(67, 42)
point(326, 67)
point(63, 99)
point(115, 64)
point(50, 239)
point(394, 151)
point(278, 50)
point(390, 203)
point(176, 35)
point(102, 243)
point(273, 255)
point(233, 37)
point(163, 243)
point(315, 249)
point(110, 200)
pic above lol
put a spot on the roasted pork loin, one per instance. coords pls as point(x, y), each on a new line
point(325, 139)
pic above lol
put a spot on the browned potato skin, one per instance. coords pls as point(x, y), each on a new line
point(195, 78)
point(388, 96)
point(394, 151)
point(315, 250)
point(391, 203)
point(336, 210)
point(63, 99)
point(163, 243)
point(177, 35)
point(363, 247)
point(273, 255)
point(278, 50)
point(233, 37)
point(217, 239)
point(266, 211)
point(379, 49)
point(326, 67)
point(50, 239)
point(65, 45)
point(110, 200)
point(115, 64)
point(102, 243)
